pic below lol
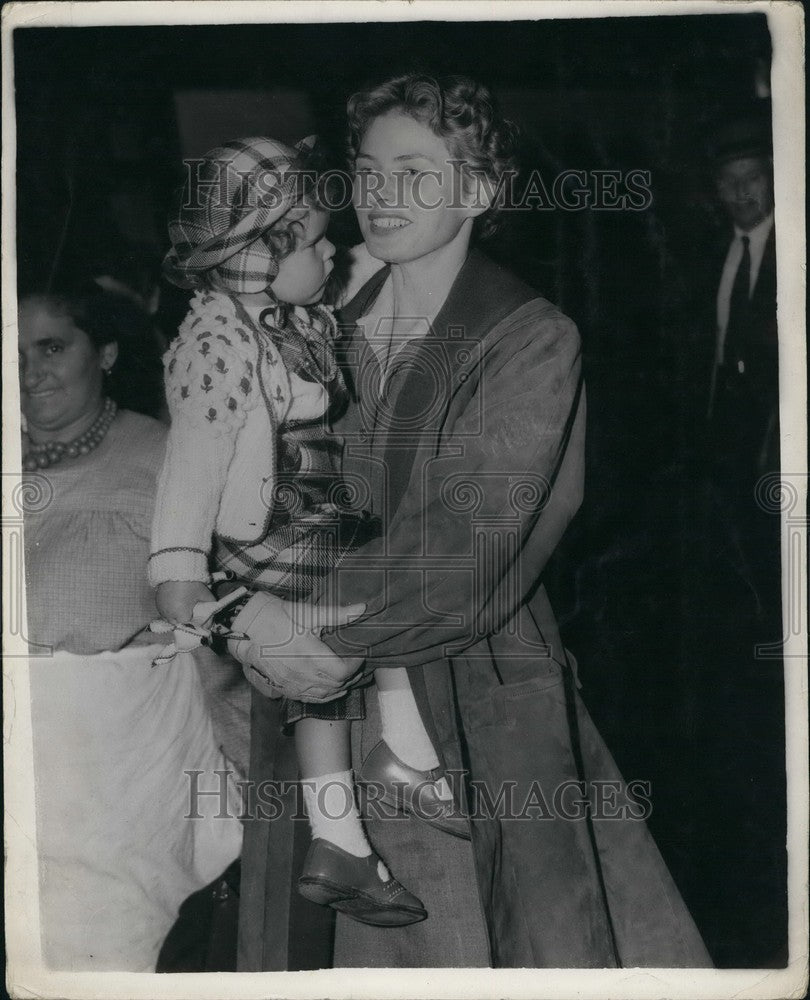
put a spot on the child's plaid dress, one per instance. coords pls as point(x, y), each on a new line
point(261, 390)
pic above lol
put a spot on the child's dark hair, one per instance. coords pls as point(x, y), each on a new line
point(282, 237)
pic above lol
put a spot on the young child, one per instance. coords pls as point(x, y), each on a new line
point(251, 380)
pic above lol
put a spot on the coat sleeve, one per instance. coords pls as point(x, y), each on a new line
point(479, 522)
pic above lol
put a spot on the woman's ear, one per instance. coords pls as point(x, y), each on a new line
point(108, 355)
point(478, 192)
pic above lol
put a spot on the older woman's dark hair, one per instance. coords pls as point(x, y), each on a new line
point(461, 112)
point(136, 379)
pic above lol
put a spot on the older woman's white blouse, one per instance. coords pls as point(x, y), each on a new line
point(116, 741)
point(87, 543)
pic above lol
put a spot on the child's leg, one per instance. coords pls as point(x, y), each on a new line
point(402, 726)
point(342, 870)
point(323, 746)
point(324, 759)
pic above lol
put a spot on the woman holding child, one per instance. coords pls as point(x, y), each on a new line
point(461, 410)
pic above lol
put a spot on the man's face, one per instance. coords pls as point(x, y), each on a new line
point(745, 187)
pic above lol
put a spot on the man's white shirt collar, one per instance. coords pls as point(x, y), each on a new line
point(758, 238)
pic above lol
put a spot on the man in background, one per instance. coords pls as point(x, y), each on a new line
point(732, 572)
point(743, 405)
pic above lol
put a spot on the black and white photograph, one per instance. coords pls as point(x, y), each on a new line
point(404, 499)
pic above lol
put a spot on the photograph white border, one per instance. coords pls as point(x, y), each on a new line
point(25, 974)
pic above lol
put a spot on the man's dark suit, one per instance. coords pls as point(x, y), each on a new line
point(744, 405)
point(743, 439)
point(733, 592)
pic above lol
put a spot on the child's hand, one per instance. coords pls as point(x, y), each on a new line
point(175, 599)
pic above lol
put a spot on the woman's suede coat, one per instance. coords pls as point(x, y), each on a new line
point(472, 451)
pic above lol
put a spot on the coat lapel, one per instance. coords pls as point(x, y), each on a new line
point(353, 352)
point(432, 369)
point(413, 416)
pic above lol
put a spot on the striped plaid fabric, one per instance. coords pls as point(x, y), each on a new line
point(351, 707)
point(309, 531)
point(231, 197)
point(309, 535)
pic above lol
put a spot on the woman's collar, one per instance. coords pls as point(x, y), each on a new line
point(481, 295)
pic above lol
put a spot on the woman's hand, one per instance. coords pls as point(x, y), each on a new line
point(176, 599)
point(283, 654)
point(316, 617)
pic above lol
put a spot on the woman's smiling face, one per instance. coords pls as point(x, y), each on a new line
point(61, 372)
point(408, 193)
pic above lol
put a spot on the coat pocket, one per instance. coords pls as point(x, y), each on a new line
point(485, 700)
point(509, 697)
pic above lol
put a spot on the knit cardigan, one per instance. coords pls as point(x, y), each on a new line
point(228, 392)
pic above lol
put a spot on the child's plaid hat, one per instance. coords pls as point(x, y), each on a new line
point(230, 198)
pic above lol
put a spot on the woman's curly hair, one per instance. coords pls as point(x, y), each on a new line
point(461, 112)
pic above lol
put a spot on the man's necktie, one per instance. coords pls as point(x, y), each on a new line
point(738, 313)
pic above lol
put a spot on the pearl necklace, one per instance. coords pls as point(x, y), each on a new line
point(42, 456)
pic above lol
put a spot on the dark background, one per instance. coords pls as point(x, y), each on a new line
point(663, 639)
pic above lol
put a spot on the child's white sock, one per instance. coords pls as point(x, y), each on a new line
point(403, 729)
point(332, 812)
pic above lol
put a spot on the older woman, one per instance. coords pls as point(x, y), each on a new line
point(468, 439)
point(113, 738)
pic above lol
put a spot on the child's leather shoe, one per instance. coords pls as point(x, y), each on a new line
point(412, 791)
point(352, 885)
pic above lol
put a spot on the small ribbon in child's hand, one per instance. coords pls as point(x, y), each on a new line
point(191, 635)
